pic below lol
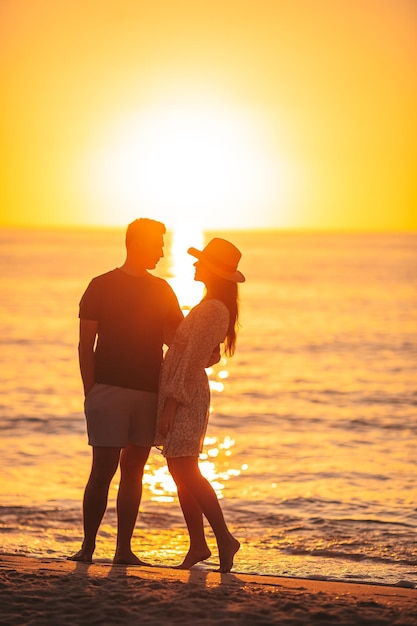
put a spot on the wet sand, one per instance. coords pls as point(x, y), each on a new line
point(41, 591)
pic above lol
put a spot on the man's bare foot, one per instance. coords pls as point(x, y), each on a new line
point(227, 551)
point(192, 557)
point(83, 555)
point(128, 558)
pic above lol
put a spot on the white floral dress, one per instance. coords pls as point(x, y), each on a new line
point(183, 377)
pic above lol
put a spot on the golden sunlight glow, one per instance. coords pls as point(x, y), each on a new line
point(188, 291)
point(277, 115)
point(198, 159)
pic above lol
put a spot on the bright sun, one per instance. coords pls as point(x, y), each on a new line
point(200, 161)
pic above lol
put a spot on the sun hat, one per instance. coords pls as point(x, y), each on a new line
point(222, 258)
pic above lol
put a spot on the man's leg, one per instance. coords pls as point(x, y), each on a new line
point(104, 466)
point(132, 463)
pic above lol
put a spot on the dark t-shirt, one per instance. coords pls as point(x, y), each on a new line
point(132, 314)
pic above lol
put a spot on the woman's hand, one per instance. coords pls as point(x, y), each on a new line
point(167, 418)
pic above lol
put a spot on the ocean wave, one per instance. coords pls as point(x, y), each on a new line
point(350, 556)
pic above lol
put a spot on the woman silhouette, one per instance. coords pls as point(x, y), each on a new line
point(184, 396)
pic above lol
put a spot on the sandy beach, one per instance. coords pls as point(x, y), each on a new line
point(42, 591)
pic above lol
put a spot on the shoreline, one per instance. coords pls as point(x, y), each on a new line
point(39, 591)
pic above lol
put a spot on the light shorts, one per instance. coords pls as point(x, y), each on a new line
point(117, 416)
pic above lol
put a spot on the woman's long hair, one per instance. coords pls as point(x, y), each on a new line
point(227, 292)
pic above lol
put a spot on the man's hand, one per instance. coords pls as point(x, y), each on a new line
point(167, 417)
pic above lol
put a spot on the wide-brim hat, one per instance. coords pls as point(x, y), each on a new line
point(222, 258)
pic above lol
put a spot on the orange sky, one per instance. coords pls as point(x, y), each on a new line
point(230, 113)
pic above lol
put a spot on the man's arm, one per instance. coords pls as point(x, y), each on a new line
point(88, 333)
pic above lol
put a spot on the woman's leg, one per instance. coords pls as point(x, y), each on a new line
point(186, 471)
point(199, 550)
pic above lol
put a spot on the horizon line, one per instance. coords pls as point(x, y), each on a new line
point(257, 229)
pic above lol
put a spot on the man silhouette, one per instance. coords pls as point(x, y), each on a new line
point(126, 316)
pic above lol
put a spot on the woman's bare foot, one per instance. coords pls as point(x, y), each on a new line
point(227, 551)
point(128, 558)
point(192, 557)
point(83, 555)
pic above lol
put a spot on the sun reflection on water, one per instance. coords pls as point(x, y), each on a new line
point(217, 372)
point(214, 465)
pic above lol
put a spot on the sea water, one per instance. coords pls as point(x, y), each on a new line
point(311, 443)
